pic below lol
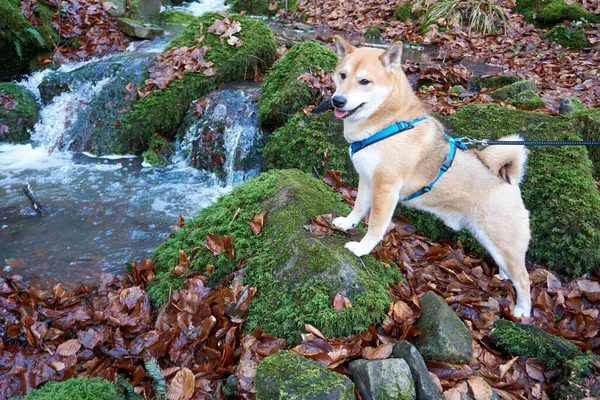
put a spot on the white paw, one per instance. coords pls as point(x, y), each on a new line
point(521, 312)
point(358, 248)
point(343, 223)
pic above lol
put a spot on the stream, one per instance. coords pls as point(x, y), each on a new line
point(104, 212)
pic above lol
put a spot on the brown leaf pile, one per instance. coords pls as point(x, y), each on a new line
point(558, 72)
point(110, 330)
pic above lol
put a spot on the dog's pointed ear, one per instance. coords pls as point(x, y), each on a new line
point(342, 47)
point(392, 57)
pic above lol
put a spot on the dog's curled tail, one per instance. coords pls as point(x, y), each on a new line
point(507, 161)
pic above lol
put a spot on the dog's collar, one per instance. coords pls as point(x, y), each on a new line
point(384, 134)
point(403, 126)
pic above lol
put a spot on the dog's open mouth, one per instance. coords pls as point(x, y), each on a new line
point(345, 114)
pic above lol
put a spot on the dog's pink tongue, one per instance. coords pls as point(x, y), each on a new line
point(339, 113)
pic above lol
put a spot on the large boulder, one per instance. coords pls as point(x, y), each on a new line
point(138, 29)
point(444, 337)
point(383, 379)
point(163, 110)
point(18, 113)
point(424, 385)
point(287, 375)
point(297, 274)
point(587, 123)
point(78, 389)
point(282, 93)
point(143, 9)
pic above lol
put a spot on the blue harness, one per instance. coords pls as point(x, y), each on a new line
point(404, 126)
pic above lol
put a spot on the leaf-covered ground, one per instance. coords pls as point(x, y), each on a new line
point(110, 330)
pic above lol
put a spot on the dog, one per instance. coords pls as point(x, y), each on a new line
point(478, 191)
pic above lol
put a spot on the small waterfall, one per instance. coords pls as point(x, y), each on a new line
point(226, 137)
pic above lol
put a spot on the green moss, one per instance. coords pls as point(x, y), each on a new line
point(159, 151)
point(296, 275)
point(77, 389)
point(558, 188)
point(163, 110)
point(172, 17)
point(404, 11)
point(260, 7)
point(310, 142)
point(282, 93)
point(587, 123)
point(492, 82)
point(551, 12)
point(22, 118)
point(287, 375)
point(568, 37)
point(457, 90)
point(569, 105)
point(511, 91)
point(373, 32)
point(531, 341)
point(529, 99)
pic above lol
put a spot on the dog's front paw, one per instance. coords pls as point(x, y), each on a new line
point(358, 248)
point(343, 223)
point(521, 312)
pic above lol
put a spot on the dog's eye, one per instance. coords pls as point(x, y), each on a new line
point(343, 76)
point(364, 82)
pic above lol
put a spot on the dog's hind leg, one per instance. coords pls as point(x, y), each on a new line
point(507, 244)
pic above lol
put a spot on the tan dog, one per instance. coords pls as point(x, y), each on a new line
point(478, 192)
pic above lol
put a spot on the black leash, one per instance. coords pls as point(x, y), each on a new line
point(488, 142)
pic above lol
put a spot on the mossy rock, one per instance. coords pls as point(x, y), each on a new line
point(587, 123)
point(568, 37)
point(309, 143)
point(511, 91)
point(77, 389)
point(21, 41)
point(172, 17)
point(558, 188)
point(296, 274)
point(373, 33)
point(457, 90)
point(404, 12)
point(569, 105)
point(282, 93)
point(163, 110)
point(16, 123)
point(159, 152)
point(529, 99)
point(491, 82)
point(573, 378)
point(531, 341)
point(383, 379)
point(260, 7)
point(551, 12)
point(287, 375)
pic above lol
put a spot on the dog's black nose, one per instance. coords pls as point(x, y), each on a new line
point(339, 101)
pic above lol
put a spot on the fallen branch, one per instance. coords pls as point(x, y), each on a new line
point(36, 203)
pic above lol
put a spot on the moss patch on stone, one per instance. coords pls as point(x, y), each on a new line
point(309, 143)
point(569, 105)
point(163, 110)
point(159, 151)
point(261, 7)
point(77, 389)
point(529, 99)
point(558, 188)
point(16, 122)
point(172, 17)
point(287, 375)
point(282, 93)
point(568, 37)
point(511, 91)
point(373, 32)
point(492, 82)
point(296, 275)
point(531, 341)
point(403, 12)
point(587, 123)
point(552, 12)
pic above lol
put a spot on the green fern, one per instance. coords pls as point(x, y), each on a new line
point(37, 36)
point(18, 49)
point(160, 386)
point(130, 393)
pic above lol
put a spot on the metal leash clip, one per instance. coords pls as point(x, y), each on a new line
point(468, 141)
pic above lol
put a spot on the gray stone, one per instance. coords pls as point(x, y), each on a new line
point(569, 105)
point(444, 337)
point(118, 10)
point(144, 9)
point(287, 375)
point(383, 379)
point(510, 91)
point(424, 385)
point(138, 29)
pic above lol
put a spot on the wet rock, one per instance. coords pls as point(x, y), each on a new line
point(118, 8)
point(444, 337)
point(383, 379)
point(424, 386)
point(144, 9)
point(19, 112)
point(569, 105)
point(138, 29)
point(287, 375)
point(512, 90)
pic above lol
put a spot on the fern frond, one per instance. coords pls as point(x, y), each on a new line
point(18, 49)
point(37, 36)
point(160, 386)
point(130, 393)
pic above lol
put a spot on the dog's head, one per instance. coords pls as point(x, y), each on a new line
point(364, 78)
